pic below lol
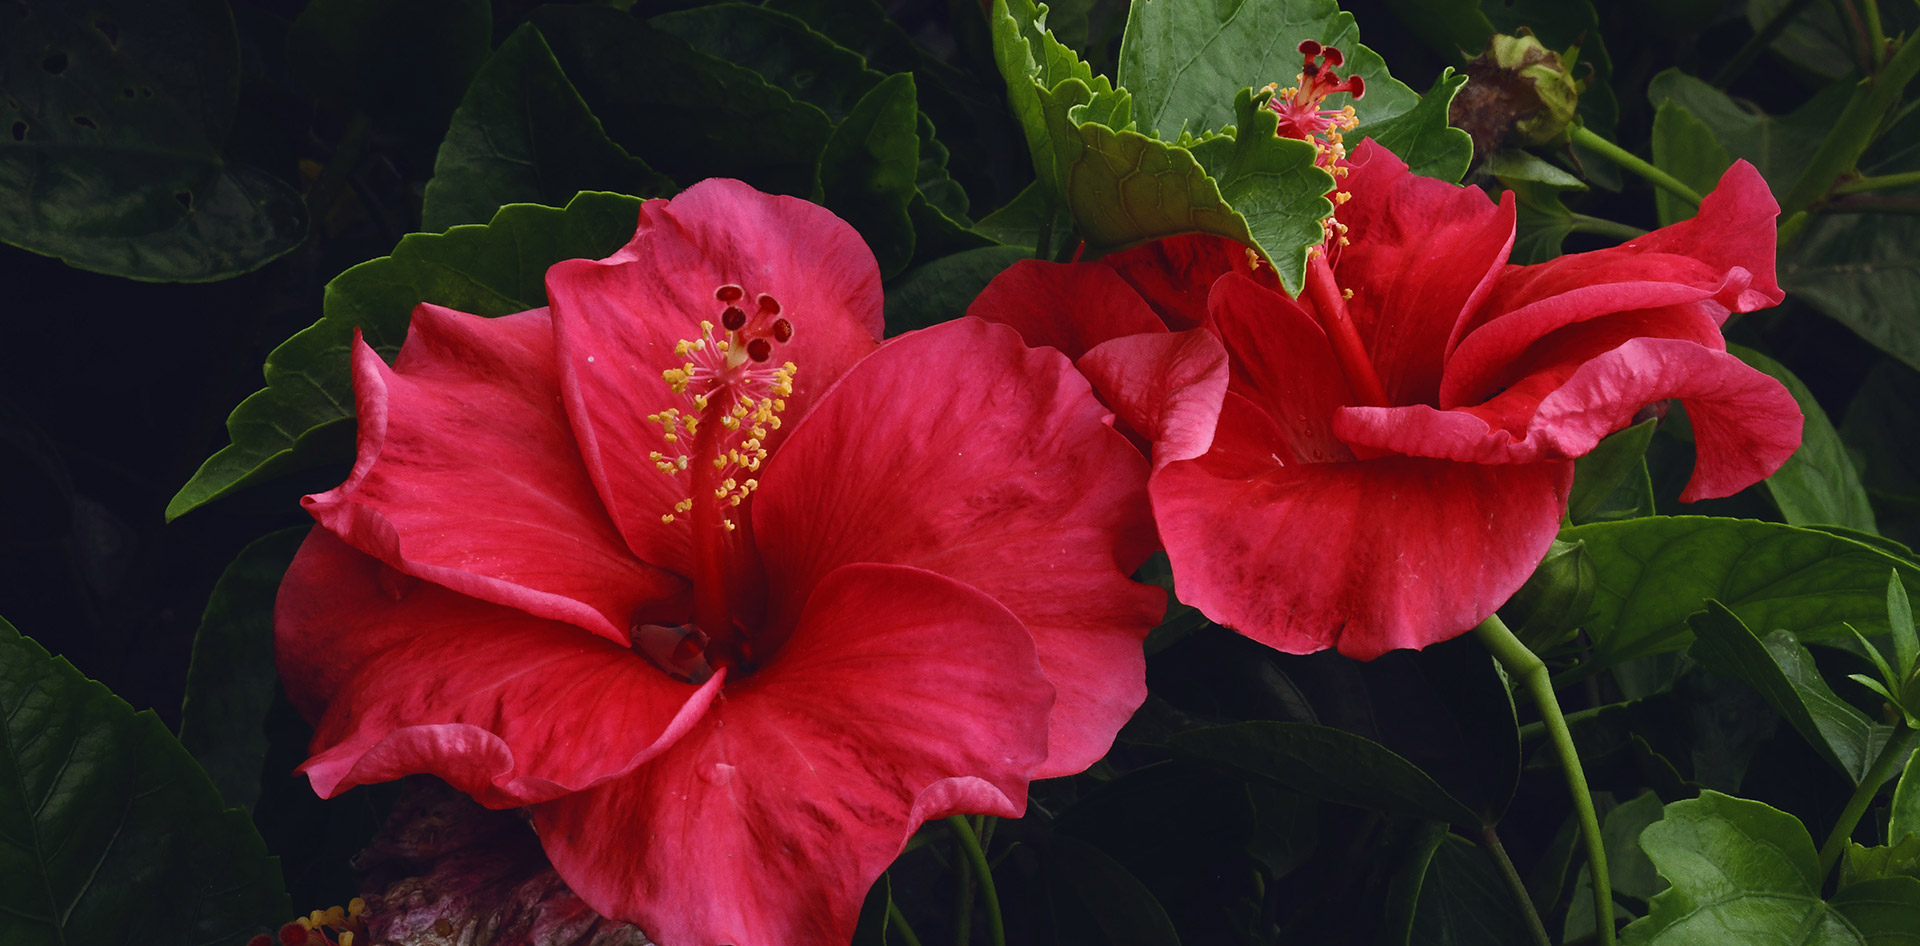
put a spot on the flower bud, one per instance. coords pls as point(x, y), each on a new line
point(1551, 605)
point(1518, 93)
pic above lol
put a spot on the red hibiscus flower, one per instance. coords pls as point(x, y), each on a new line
point(732, 596)
point(1382, 462)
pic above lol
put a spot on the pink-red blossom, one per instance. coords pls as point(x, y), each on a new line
point(729, 594)
point(1381, 462)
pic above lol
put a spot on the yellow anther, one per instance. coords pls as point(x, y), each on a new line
point(346, 938)
point(1346, 293)
point(668, 517)
point(699, 403)
point(356, 906)
point(729, 523)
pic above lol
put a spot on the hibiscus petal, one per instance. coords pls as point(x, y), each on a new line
point(1173, 275)
point(960, 450)
point(1282, 362)
point(1167, 386)
point(1367, 556)
point(1722, 259)
point(901, 693)
point(1069, 306)
point(414, 678)
point(1419, 256)
point(1745, 423)
point(617, 321)
point(468, 476)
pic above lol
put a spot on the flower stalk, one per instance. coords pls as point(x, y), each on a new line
point(1586, 138)
point(1526, 667)
point(989, 897)
point(1863, 795)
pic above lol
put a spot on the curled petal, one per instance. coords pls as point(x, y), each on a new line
point(1281, 362)
point(1166, 386)
point(404, 677)
point(617, 321)
point(815, 769)
point(960, 450)
point(1367, 556)
point(1069, 306)
point(468, 476)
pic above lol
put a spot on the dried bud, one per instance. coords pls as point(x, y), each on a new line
point(1518, 93)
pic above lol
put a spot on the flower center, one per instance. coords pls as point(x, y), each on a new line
point(734, 396)
point(1299, 107)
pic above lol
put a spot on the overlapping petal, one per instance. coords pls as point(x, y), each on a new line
point(468, 476)
point(402, 676)
point(1166, 386)
point(618, 320)
point(1072, 307)
point(900, 695)
point(1366, 556)
point(959, 450)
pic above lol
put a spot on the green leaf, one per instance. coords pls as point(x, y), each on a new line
point(405, 64)
point(867, 171)
point(523, 135)
point(1742, 874)
point(1464, 900)
point(1184, 61)
point(940, 291)
point(1421, 136)
point(1276, 191)
point(1095, 899)
point(782, 48)
point(1326, 763)
point(1885, 910)
point(111, 833)
point(687, 114)
point(1686, 148)
point(113, 123)
point(1033, 64)
point(1906, 646)
point(1904, 821)
point(1656, 571)
point(1779, 146)
point(492, 269)
point(231, 678)
point(1817, 484)
point(1784, 673)
point(1880, 425)
point(1019, 222)
point(1614, 463)
point(1632, 874)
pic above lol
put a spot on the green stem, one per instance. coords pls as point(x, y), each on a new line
point(1759, 43)
point(1490, 842)
point(1878, 183)
point(962, 895)
point(1585, 138)
point(1876, 33)
point(989, 897)
point(1604, 227)
point(1526, 668)
point(1863, 795)
point(898, 921)
point(1860, 40)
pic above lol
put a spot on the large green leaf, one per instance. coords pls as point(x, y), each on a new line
point(1656, 571)
point(1327, 763)
point(1096, 900)
point(109, 833)
point(115, 116)
point(1817, 485)
point(1745, 874)
point(868, 169)
point(687, 114)
point(1880, 423)
point(1421, 136)
point(1463, 901)
point(1184, 62)
point(940, 291)
point(405, 64)
point(1784, 673)
point(1905, 817)
point(230, 681)
point(1686, 148)
point(523, 135)
point(1598, 477)
point(492, 269)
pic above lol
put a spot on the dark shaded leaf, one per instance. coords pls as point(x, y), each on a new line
point(494, 269)
point(523, 135)
point(405, 64)
point(1464, 901)
point(1326, 763)
point(112, 127)
point(230, 682)
point(1817, 485)
point(1096, 901)
point(940, 291)
point(1615, 463)
point(111, 833)
point(868, 169)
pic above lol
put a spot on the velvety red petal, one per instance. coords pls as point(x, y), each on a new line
point(1167, 386)
point(1745, 424)
point(960, 450)
point(404, 677)
point(617, 321)
point(468, 476)
point(1069, 306)
point(1420, 255)
point(1721, 260)
point(1173, 275)
point(1281, 361)
point(1367, 556)
point(902, 694)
